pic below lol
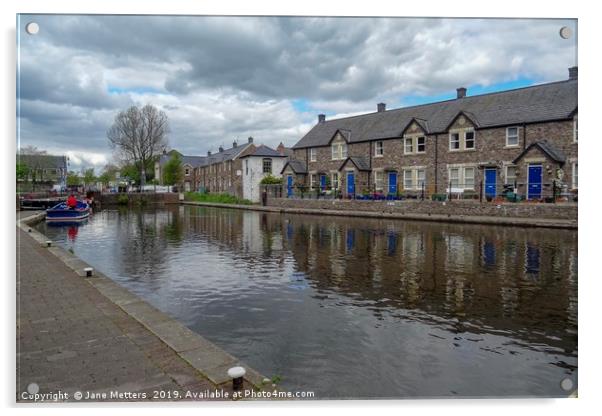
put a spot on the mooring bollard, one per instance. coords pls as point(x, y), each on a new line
point(237, 373)
point(48, 243)
point(88, 271)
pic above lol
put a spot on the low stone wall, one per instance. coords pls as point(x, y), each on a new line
point(137, 198)
point(564, 211)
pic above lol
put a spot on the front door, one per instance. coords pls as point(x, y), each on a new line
point(350, 183)
point(322, 183)
point(289, 186)
point(392, 183)
point(534, 188)
point(490, 181)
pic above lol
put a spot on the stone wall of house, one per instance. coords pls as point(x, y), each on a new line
point(565, 211)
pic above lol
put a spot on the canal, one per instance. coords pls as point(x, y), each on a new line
point(352, 307)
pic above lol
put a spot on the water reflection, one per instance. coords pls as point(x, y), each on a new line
point(387, 308)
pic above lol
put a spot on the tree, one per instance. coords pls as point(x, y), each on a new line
point(31, 150)
point(22, 171)
point(108, 175)
point(73, 179)
point(173, 172)
point(89, 177)
point(139, 134)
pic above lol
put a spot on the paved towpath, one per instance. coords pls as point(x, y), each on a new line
point(72, 338)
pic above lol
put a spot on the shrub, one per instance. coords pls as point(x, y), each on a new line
point(270, 179)
point(215, 198)
point(123, 200)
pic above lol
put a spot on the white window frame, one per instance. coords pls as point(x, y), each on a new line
point(263, 165)
point(407, 140)
point(575, 176)
point(334, 180)
point(575, 129)
point(474, 175)
point(379, 182)
point(416, 180)
point(474, 140)
point(312, 154)
point(418, 144)
point(187, 171)
point(452, 149)
point(338, 151)
point(509, 136)
point(461, 177)
point(506, 177)
point(405, 179)
point(311, 180)
point(379, 148)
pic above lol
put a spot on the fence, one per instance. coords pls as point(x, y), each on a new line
point(491, 192)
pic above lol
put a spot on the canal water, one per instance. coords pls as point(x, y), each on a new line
point(352, 307)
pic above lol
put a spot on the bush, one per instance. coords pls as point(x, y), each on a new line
point(123, 200)
point(270, 179)
point(215, 198)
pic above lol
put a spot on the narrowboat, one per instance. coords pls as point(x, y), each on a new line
point(62, 213)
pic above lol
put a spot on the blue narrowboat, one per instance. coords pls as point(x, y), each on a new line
point(62, 213)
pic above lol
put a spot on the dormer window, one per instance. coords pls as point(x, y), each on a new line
point(378, 148)
point(312, 154)
point(454, 141)
point(339, 151)
point(420, 144)
point(408, 145)
point(463, 140)
point(469, 140)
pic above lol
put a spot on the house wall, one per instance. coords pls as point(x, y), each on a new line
point(252, 174)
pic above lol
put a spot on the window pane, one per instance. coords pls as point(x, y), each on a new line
point(454, 141)
point(344, 150)
point(469, 178)
point(421, 144)
point(409, 145)
point(420, 176)
point(454, 177)
point(407, 179)
point(469, 140)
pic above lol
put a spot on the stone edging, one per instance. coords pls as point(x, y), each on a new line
point(461, 219)
point(206, 357)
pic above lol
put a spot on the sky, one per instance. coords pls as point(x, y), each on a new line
point(221, 79)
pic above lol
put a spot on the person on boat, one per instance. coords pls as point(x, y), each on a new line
point(71, 202)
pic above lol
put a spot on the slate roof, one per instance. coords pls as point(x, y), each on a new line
point(43, 161)
point(194, 161)
point(264, 151)
point(547, 148)
point(298, 166)
point(545, 102)
point(199, 161)
point(360, 162)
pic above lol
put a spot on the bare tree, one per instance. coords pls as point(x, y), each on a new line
point(139, 134)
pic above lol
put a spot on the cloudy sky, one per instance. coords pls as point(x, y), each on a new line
point(221, 79)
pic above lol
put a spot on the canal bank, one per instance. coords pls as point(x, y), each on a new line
point(462, 212)
point(89, 334)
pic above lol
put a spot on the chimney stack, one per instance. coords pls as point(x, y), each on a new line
point(221, 149)
point(208, 152)
point(321, 118)
point(573, 73)
point(461, 92)
point(234, 144)
point(380, 107)
point(250, 139)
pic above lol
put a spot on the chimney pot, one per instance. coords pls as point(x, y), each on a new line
point(321, 118)
point(573, 72)
point(221, 149)
point(461, 92)
point(234, 144)
point(380, 107)
point(250, 139)
point(208, 152)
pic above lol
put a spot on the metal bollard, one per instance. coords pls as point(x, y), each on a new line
point(237, 373)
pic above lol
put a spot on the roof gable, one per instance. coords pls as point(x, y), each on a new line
point(547, 149)
point(415, 125)
point(359, 162)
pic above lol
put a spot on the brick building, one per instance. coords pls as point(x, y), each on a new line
point(522, 141)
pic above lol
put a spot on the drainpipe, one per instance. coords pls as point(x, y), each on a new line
point(370, 163)
point(436, 162)
point(524, 136)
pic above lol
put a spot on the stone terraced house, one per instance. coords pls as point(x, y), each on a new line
point(522, 141)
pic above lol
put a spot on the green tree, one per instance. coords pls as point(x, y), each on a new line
point(89, 177)
point(173, 172)
point(73, 179)
point(109, 174)
point(22, 171)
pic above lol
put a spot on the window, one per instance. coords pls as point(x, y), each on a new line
point(462, 178)
point(512, 136)
point(575, 135)
point(469, 140)
point(575, 182)
point(379, 180)
point(378, 148)
point(339, 151)
point(247, 167)
point(313, 178)
point(407, 179)
point(408, 146)
point(454, 141)
point(510, 175)
point(267, 165)
point(420, 178)
point(312, 154)
point(187, 171)
point(421, 144)
point(334, 178)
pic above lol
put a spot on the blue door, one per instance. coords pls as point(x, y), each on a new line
point(534, 182)
point(322, 182)
point(392, 183)
point(350, 183)
point(490, 180)
point(289, 186)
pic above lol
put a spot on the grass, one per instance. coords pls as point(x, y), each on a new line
point(216, 198)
